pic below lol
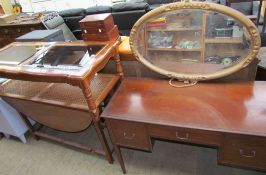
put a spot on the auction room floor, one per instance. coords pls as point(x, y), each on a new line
point(45, 158)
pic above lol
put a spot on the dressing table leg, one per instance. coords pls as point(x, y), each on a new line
point(116, 148)
point(120, 158)
point(103, 141)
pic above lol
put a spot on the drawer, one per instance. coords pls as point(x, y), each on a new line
point(110, 36)
point(129, 134)
point(244, 151)
point(16, 31)
point(185, 135)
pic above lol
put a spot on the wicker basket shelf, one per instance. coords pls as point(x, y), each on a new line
point(59, 94)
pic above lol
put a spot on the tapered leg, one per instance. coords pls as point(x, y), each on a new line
point(120, 158)
point(103, 141)
point(116, 148)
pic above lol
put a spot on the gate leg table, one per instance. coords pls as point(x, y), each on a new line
point(59, 86)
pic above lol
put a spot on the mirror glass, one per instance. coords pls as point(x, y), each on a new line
point(191, 41)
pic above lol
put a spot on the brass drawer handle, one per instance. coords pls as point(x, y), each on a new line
point(243, 154)
point(129, 137)
point(180, 137)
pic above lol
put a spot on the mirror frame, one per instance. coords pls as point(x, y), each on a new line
point(248, 24)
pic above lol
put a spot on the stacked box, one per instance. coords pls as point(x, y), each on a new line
point(99, 27)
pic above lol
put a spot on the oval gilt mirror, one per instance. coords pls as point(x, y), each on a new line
point(195, 40)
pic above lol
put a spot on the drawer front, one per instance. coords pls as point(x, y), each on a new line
point(244, 151)
point(15, 31)
point(130, 134)
point(185, 135)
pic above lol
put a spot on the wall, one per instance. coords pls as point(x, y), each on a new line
point(7, 6)
point(58, 5)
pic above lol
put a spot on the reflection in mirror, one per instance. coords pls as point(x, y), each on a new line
point(193, 41)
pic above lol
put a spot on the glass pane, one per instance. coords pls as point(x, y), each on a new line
point(192, 41)
point(66, 57)
point(16, 54)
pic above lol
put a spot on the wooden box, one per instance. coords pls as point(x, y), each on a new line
point(111, 35)
point(97, 24)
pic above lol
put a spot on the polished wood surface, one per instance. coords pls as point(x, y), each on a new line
point(113, 34)
point(235, 107)
point(132, 134)
point(99, 27)
point(230, 116)
point(242, 150)
point(97, 19)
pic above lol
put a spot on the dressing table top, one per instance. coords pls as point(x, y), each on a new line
point(228, 107)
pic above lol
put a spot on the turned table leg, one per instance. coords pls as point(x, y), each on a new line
point(96, 119)
point(119, 68)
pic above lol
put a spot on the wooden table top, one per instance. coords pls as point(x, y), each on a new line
point(236, 107)
point(27, 71)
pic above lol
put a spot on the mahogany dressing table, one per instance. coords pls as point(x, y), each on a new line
point(228, 116)
point(58, 86)
point(191, 42)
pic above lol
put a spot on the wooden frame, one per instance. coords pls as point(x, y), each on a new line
point(251, 29)
point(81, 78)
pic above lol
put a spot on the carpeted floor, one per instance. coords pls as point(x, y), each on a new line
point(45, 158)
